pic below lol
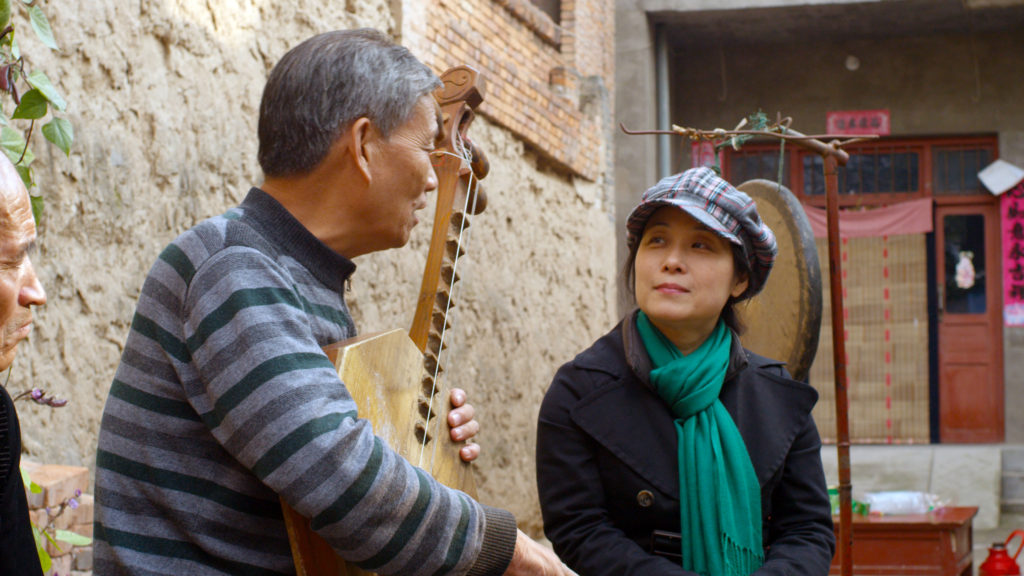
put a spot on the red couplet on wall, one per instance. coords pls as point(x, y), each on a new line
point(858, 122)
point(1012, 209)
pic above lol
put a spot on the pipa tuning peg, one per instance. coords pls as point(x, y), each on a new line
point(426, 408)
point(431, 363)
point(422, 434)
point(459, 221)
point(453, 249)
point(477, 201)
point(434, 343)
point(480, 164)
point(439, 322)
point(444, 299)
point(448, 274)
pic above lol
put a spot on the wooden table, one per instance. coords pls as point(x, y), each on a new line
point(938, 543)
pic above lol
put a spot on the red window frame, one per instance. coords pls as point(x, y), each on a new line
point(925, 148)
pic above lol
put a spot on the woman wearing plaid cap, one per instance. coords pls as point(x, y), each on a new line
point(667, 448)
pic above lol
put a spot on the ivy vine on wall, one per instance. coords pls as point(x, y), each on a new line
point(31, 92)
point(28, 97)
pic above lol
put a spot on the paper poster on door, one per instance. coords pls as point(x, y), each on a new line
point(1012, 209)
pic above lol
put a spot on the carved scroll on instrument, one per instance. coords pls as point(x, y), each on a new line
point(394, 376)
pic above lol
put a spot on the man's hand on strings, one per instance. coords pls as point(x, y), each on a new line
point(463, 426)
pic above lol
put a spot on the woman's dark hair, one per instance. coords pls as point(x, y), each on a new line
point(728, 315)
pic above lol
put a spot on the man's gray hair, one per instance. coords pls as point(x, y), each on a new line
point(323, 85)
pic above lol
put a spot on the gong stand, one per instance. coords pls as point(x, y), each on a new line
point(833, 156)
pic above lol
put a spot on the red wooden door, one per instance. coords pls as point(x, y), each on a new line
point(970, 323)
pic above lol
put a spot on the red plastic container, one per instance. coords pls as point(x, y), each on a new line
point(999, 561)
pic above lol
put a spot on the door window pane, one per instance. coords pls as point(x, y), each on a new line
point(955, 171)
point(754, 164)
point(876, 171)
point(965, 263)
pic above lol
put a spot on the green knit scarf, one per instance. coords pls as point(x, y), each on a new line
point(719, 495)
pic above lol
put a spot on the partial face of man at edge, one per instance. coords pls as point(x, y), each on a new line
point(19, 287)
point(402, 174)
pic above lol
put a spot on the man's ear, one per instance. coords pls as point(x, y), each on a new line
point(360, 139)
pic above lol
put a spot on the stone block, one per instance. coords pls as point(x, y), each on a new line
point(881, 468)
point(37, 516)
point(1013, 486)
point(61, 564)
point(970, 476)
point(58, 482)
point(29, 465)
point(83, 558)
point(1013, 459)
point(61, 549)
point(79, 516)
point(84, 512)
point(83, 529)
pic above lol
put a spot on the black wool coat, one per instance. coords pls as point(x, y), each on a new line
point(18, 554)
point(607, 466)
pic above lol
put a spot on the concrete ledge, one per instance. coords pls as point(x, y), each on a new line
point(961, 475)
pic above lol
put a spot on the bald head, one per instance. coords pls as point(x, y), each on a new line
point(19, 286)
point(11, 188)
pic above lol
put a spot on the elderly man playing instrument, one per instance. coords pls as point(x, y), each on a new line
point(19, 291)
point(224, 401)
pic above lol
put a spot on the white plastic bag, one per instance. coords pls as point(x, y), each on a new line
point(901, 502)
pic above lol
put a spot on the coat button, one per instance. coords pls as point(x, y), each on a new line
point(644, 498)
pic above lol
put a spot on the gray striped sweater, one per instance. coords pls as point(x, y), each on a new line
point(223, 400)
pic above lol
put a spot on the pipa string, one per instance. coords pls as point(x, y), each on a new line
point(465, 155)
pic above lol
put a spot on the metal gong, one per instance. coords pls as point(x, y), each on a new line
point(784, 320)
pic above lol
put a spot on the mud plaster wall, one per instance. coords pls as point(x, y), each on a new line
point(164, 98)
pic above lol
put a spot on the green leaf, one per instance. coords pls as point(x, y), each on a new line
point(15, 49)
point(32, 486)
point(61, 133)
point(41, 25)
point(72, 538)
point(758, 120)
point(38, 80)
point(25, 172)
point(37, 214)
point(53, 541)
point(5, 13)
point(12, 142)
point(45, 562)
point(13, 145)
point(44, 556)
point(32, 107)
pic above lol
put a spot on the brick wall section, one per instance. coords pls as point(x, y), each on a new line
point(58, 485)
point(533, 69)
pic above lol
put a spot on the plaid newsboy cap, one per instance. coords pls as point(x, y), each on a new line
point(718, 205)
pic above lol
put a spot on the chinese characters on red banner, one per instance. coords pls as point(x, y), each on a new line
point(1012, 208)
point(858, 122)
